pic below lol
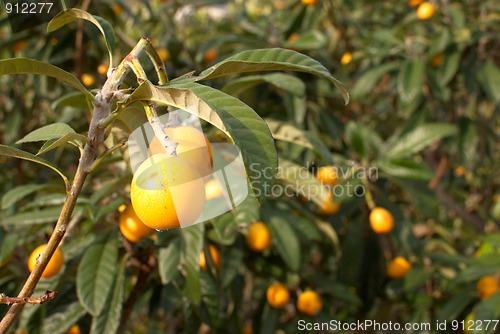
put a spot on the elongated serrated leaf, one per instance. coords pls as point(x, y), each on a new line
point(32, 66)
point(287, 132)
point(475, 273)
point(16, 153)
point(15, 194)
point(192, 243)
point(286, 82)
point(96, 273)
point(72, 14)
point(364, 84)
point(240, 122)
point(406, 169)
point(43, 216)
point(304, 183)
point(72, 99)
point(449, 68)
point(410, 80)
point(51, 131)
point(109, 319)
point(233, 258)
point(7, 244)
point(60, 322)
point(454, 306)
point(310, 40)
point(168, 261)
point(270, 60)
point(72, 138)
point(489, 78)
point(285, 240)
point(418, 139)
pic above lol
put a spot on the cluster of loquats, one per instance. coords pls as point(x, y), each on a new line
point(166, 182)
point(214, 255)
point(308, 302)
point(328, 176)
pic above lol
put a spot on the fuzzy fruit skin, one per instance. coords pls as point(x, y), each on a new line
point(277, 295)
point(487, 286)
point(414, 3)
point(309, 2)
point(167, 192)
point(214, 254)
point(381, 221)
point(398, 268)
point(425, 11)
point(53, 267)
point(132, 228)
point(259, 237)
point(309, 303)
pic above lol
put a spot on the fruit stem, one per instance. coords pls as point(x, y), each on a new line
point(150, 109)
point(368, 193)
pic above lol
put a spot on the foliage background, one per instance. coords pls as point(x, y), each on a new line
point(431, 131)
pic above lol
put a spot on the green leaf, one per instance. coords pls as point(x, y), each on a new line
point(286, 82)
point(108, 321)
point(168, 261)
point(475, 273)
point(192, 243)
point(32, 66)
point(51, 131)
point(73, 100)
point(96, 274)
point(419, 138)
point(310, 40)
point(454, 306)
point(16, 153)
point(449, 68)
point(73, 14)
point(231, 264)
point(364, 84)
point(17, 193)
point(8, 241)
point(285, 240)
point(410, 80)
point(60, 322)
point(270, 60)
point(286, 132)
point(72, 138)
point(362, 138)
point(240, 122)
point(406, 169)
point(43, 216)
point(489, 78)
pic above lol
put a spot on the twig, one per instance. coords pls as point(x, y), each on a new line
point(48, 295)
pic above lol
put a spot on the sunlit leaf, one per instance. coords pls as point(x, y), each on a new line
point(270, 60)
point(32, 66)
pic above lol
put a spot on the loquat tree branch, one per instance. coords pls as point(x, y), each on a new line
point(96, 135)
